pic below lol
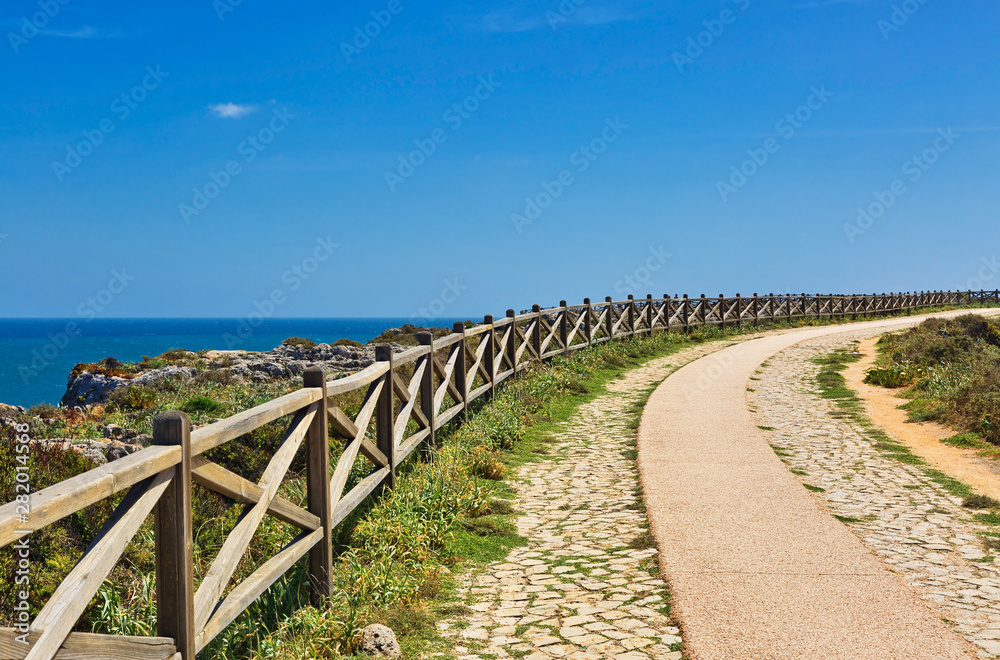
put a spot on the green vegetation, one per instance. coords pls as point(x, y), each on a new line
point(980, 502)
point(300, 342)
point(394, 555)
point(832, 385)
point(347, 342)
point(407, 334)
point(951, 369)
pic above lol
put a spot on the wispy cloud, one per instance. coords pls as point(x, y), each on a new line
point(85, 32)
point(232, 110)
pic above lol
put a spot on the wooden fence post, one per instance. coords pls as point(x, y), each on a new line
point(587, 319)
point(609, 320)
point(704, 310)
point(756, 310)
point(536, 334)
point(722, 309)
point(511, 347)
point(318, 487)
point(383, 415)
point(686, 313)
point(427, 392)
point(174, 539)
point(631, 314)
point(564, 324)
point(668, 310)
point(461, 382)
point(649, 312)
point(739, 311)
point(488, 356)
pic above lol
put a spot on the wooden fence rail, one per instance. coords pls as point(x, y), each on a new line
point(408, 397)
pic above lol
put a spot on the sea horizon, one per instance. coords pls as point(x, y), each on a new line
point(38, 353)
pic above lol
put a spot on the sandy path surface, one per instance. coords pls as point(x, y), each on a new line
point(757, 566)
point(924, 438)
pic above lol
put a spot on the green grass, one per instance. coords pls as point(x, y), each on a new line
point(967, 441)
point(951, 371)
point(832, 385)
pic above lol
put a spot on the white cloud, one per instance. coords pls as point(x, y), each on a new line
point(232, 110)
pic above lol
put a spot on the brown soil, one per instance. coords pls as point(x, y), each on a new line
point(923, 438)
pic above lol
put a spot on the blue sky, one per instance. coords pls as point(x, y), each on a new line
point(595, 150)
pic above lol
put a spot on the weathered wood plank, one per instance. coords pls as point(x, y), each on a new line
point(250, 589)
point(235, 545)
point(221, 432)
point(67, 497)
point(366, 376)
point(217, 478)
point(346, 504)
point(74, 593)
point(345, 426)
point(346, 461)
point(89, 646)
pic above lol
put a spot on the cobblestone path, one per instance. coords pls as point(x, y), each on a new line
point(578, 589)
point(897, 511)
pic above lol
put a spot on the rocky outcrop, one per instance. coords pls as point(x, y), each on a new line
point(281, 363)
point(87, 388)
point(98, 452)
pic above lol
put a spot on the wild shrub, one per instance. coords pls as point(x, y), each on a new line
point(300, 342)
point(201, 405)
point(131, 398)
point(953, 369)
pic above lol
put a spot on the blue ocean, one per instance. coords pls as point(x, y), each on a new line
point(36, 355)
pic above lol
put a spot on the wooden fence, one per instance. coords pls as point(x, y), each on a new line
point(408, 397)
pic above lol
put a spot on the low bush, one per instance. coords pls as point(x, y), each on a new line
point(300, 342)
point(952, 370)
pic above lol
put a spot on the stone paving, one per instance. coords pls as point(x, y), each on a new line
point(586, 585)
point(896, 509)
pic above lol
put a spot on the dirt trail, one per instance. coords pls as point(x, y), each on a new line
point(923, 438)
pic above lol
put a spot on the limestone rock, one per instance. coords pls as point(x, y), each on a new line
point(379, 641)
point(88, 388)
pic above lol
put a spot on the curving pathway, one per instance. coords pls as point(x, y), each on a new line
point(583, 587)
point(896, 509)
point(758, 567)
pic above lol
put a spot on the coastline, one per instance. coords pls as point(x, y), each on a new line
point(37, 355)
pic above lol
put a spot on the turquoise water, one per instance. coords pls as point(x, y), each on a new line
point(36, 355)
